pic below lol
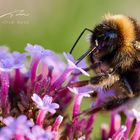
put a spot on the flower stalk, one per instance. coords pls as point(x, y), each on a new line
point(40, 117)
point(136, 133)
point(128, 124)
point(34, 65)
point(76, 106)
point(4, 89)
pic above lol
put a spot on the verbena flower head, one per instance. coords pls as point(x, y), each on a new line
point(37, 51)
point(84, 92)
point(72, 65)
point(19, 59)
point(9, 61)
point(45, 103)
point(6, 61)
point(38, 101)
point(15, 127)
point(37, 133)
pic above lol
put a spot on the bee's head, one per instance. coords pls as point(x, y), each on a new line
point(113, 34)
point(104, 38)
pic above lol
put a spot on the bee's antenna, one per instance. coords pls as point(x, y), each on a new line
point(86, 29)
point(86, 54)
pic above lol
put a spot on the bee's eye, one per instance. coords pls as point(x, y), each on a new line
point(111, 35)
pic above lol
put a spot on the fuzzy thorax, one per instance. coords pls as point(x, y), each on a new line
point(127, 36)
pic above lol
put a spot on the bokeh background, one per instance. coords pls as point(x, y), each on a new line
point(55, 24)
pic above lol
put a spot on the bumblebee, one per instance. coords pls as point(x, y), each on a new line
point(115, 50)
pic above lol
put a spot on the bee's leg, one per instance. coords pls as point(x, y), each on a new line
point(92, 81)
point(110, 104)
point(115, 102)
point(91, 111)
point(131, 94)
point(80, 83)
point(104, 80)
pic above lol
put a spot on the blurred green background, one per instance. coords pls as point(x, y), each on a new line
point(55, 24)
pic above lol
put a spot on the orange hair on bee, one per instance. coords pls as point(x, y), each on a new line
point(126, 28)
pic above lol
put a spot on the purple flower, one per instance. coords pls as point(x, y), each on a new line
point(82, 138)
point(38, 133)
point(6, 61)
point(119, 135)
point(6, 65)
point(136, 133)
point(19, 59)
point(131, 115)
point(70, 69)
point(18, 126)
point(6, 134)
point(45, 103)
point(81, 64)
point(57, 123)
point(55, 62)
point(77, 100)
point(136, 114)
point(9, 61)
point(104, 131)
point(115, 123)
point(38, 51)
point(85, 92)
point(72, 65)
point(48, 83)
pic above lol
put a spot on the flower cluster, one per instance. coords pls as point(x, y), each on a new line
point(36, 95)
